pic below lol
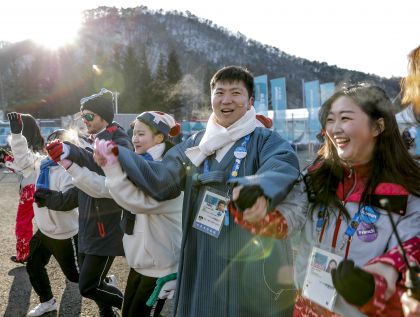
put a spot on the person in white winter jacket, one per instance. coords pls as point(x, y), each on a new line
point(26, 125)
point(152, 229)
point(57, 231)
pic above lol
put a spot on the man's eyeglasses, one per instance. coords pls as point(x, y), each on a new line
point(88, 116)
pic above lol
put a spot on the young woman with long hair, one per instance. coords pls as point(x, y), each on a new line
point(362, 174)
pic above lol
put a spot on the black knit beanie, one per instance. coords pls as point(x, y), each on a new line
point(101, 103)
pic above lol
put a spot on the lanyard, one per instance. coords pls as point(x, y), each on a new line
point(351, 229)
point(320, 223)
point(240, 153)
point(348, 234)
point(321, 218)
point(352, 226)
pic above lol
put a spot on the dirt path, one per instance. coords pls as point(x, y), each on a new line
point(16, 294)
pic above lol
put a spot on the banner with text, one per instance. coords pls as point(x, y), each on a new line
point(261, 94)
point(279, 103)
point(312, 103)
point(327, 89)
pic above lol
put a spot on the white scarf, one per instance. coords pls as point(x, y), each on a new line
point(156, 151)
point(220, 139)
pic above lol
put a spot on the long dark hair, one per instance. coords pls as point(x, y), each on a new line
point(32, 133)
point(391, 162)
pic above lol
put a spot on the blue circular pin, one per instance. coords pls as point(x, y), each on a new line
point(240, 152)
point(369, 215)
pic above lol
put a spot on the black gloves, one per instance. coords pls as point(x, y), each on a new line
point(15, 121)
point(41, 196)
point(354, 284)
point(248, 196)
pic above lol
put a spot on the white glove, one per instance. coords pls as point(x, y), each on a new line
point(168, 290)
point(66, 151)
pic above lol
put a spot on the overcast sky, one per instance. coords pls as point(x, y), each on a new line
point(365, 35)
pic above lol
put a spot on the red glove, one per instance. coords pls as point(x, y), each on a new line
point(5, 156)
point(55, 149)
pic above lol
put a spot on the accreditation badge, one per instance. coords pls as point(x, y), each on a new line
point(212, 211)
point(318, 286)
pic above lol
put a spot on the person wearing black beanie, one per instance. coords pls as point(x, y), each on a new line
point(101, 105)
point(100, 234)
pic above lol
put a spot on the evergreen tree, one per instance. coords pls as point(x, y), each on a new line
point(129, 98)
point(107, 74)
point(11, 85)
point(145, 83)
point(160, 88)
point(62, 82)
point(174, 76)
point(208, 73)
point(31, 98)
point(173, 69)
point(29, 79)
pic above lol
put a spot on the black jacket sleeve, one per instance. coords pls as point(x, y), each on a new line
point(63, 201)
point(83, 158)
point(161, 180)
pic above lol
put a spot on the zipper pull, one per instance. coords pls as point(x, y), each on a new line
point(101, 229)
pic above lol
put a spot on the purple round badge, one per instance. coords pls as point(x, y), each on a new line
point(367, 232)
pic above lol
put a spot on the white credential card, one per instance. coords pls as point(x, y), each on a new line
point(318, 286)
point(212, 211)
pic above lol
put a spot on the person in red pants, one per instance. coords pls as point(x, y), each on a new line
point(23, 228)
point(26, 125)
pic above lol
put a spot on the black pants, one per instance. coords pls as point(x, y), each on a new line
point(41, 248)
point(93, 270)
point(137, 292)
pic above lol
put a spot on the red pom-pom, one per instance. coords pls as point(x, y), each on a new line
point(266, 121)
point(114, 149)
point(175, 130)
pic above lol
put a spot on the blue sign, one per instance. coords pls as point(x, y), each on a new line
point(312, 97)
point(261, 94)
point(279, 103)
point(327, 89)
point(313, 103)
point(278, 93)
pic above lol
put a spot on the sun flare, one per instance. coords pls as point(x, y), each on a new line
point(49, 23)
point(56, 33)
